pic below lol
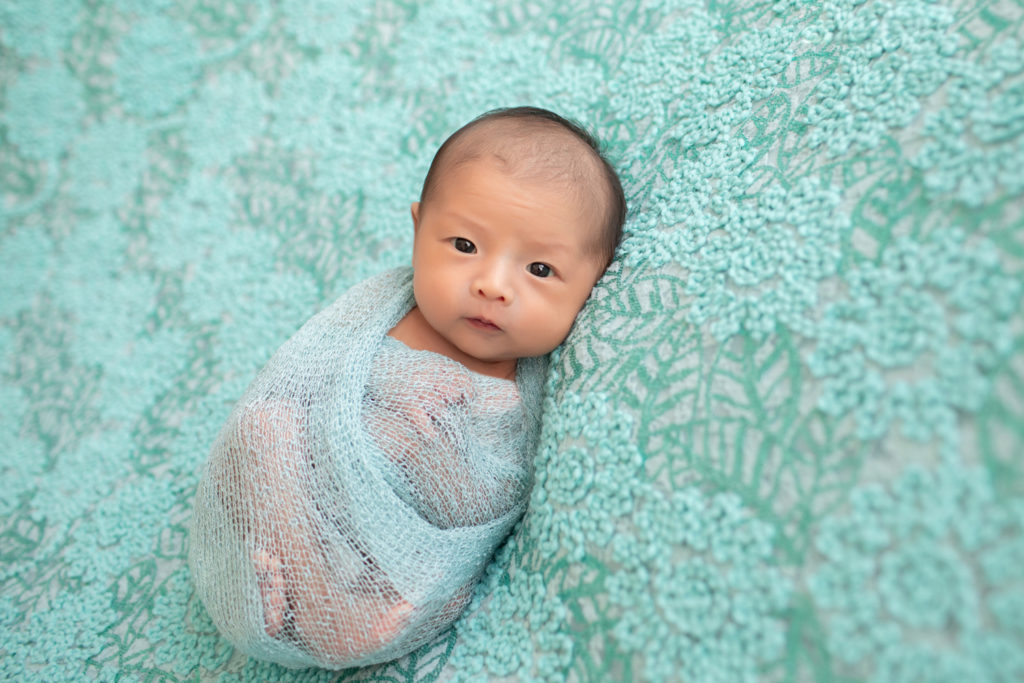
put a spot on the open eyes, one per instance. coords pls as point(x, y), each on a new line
point(537, 269)
point(464, 245)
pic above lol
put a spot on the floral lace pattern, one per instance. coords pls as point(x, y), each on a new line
point(781, 443)
point(919, 581)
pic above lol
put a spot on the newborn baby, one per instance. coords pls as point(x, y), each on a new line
point(359, 488)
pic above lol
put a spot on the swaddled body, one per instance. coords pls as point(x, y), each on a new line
point(362, 483)
point(379, 479)
point(464, 460)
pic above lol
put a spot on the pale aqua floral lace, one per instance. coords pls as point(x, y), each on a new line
point(783, 441)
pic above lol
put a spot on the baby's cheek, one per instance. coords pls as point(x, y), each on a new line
point(557, 325)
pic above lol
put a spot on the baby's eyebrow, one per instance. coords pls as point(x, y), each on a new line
point(465, 221)
point(556, 248)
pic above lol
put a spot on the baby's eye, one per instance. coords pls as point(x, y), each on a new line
point(539, 269)
point(464, 245)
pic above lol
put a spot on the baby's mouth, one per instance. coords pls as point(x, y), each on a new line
point(483, 324)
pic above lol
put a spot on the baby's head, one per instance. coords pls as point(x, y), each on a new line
point(518, 218)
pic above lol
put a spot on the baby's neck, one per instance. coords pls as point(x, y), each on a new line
point(415, 332)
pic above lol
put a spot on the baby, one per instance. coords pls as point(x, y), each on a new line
point(518, 217)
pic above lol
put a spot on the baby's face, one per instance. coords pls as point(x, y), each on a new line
point(501, 268)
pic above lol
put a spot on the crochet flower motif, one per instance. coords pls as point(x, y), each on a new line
point(105, 163)
point(257, 308)
point(942, 307)
point(142, 6)
point(523, 632)
point(585, 476)
point(57, 642)
point(690, 581)
point(922, 580)
point(313, 102)
point(38, 28)
point(323, 23)
point(661, 65)
point(754, 261)
point(92, 273)
point(765, 267)
point(197, 643)
point(753, 264)
point(975, 145)
point(226, 117)
point(192, 221)
point(118, 531)
point(686, 89)
point(521, 68)
point(697, 594)
point(43, 112)
point(80, 478)
point(892, 55)
point(157, 65)
point(25, 260)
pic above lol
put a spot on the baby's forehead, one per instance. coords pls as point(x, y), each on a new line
point(533, 152)
point(538, 153)
point(516, 143)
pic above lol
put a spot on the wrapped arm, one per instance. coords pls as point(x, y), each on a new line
point(450, 443)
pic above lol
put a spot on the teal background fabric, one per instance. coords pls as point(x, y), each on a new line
point(783, 441)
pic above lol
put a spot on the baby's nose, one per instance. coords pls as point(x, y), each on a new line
point(493, 287)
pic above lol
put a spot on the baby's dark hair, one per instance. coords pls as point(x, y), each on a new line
point(534, 144)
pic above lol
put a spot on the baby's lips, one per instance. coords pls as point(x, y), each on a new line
point(484, 323)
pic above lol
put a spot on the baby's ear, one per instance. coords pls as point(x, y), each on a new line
point(415, 211)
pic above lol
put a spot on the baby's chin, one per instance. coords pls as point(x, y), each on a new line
point(505, 354)
point(513, 358)
point(504, 347)
point(490, 358)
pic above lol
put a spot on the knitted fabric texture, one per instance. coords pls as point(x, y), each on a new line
point(783, 441)
point(358, 489)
